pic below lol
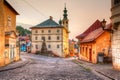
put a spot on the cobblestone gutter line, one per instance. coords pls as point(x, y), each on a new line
point(105, 75)
point(89, 68)
point(19, 65)
point(80, 64)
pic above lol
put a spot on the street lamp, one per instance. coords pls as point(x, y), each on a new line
point(104, 25)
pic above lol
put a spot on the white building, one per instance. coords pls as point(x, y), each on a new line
point(54, 34)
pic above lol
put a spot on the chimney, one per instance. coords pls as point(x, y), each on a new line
point(51, 17)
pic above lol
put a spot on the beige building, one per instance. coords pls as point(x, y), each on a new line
point(115, 10)
point(55, 35)
point(9, 52)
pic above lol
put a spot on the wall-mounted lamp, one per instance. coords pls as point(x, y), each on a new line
point(104, 25)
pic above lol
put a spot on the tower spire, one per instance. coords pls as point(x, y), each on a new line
point(65, 13)
point(65, 5)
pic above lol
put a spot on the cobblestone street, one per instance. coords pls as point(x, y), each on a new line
point(48, 68)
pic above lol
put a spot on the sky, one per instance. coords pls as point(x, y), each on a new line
point(81, 13)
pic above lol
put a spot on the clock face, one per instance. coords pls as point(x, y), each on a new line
point(9, 21)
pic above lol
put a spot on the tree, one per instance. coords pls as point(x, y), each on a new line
point(22, 31)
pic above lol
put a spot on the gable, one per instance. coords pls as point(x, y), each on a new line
point(10, 7)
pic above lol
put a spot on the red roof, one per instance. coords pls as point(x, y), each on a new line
point(97, 24)
point(95, 34)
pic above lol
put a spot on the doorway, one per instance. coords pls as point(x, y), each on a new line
point(90, 55)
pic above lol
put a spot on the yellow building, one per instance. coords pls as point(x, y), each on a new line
point(9, 52)
point(95, 41)
point(55, 36)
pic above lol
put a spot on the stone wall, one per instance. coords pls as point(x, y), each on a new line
point(116, 48)
point(115, 17)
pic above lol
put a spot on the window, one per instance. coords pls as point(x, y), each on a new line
point(9, 21)
point(43, 38)
point(49, 46)
point(36, 31)
point(49, 38)
point(36, 46)
point(58, 37)
point(83, 49)
point(86, 52)
point(58, 46)
point(36, 38)
point(58, 31)
point(116, 2)
point(66, 22)
point(42, 31)
point(49, 31)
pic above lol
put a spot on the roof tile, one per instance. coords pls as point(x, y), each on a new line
point(97, 24)
point(48, 23)
point(95, 34)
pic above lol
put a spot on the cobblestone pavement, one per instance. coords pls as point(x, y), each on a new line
point(104, 69)
point(48, 68)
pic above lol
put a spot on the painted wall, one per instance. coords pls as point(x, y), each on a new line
point(65, 42)
point(9, 19)
point(7, 23)
point(44, 32)
point(89, 51)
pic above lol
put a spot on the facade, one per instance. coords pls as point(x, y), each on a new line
point(73, 48)
point(115, 10)
point(55, 36)
point(94, 42)
point(25, 43)
point(9, 51)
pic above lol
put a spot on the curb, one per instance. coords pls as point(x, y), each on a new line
point(105, 75)
point(19, 65)
point(84, 66)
